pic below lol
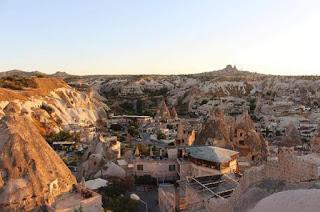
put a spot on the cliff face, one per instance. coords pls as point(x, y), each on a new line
point(28, 166)
point(53, 105)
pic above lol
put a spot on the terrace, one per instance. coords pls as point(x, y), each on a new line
point(81, 198)
point(215, 186)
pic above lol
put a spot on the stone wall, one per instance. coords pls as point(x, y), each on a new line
point(183, 169)
point(156, 168)
point(194, 199)
point(250, 177)
point(91, 204)
point(289, 167)
point(167, 198)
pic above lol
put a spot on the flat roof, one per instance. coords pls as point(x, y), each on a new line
point(213, 186)
point(211, 153)
point(96, 183)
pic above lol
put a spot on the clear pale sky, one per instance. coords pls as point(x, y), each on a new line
point(160, 36)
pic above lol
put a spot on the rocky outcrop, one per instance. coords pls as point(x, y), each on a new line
point(186, 135)
point(292, 138)
point(173, 113)
point(215, 131)
point(229, 68)
point(164, 114)
point(237, 134)
point(54, 106)
point(247, 140)
point(99, 153)
point(31, 172)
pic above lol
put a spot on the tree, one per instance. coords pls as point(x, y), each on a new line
point(145, 180)
point(121, 204)
point(139, 107)
point(113, 198)
point(252, 104)
point(160, 135)
point(203, 102)
point(63, 136)
point(133, 131)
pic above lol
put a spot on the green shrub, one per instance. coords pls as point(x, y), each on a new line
point(160, 135)
point(17, 82)
point(145, 180)
point(47, 108)
point(114, 199)
point(62, 136)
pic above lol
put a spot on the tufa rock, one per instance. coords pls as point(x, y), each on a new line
point(31, 172)
point(237, 134)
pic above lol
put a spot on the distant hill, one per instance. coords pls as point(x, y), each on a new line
point(229, 70)
point(21, 73)
point(61, 74)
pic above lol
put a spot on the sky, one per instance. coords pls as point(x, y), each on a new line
point(83, 37)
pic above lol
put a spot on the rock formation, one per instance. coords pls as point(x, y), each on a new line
point(229, 68)
point(53, 105)
point(99, 153)
point(292, 137)
point(173, 113)
point(215, 131)
point(237, 134)
point(164, 114)
point(246, 140)
point(31, 172)
point(186, 135)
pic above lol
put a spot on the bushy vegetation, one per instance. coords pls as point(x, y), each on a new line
point(160, 92)
point(160, 135)
point(145, 180)
point(170, 126)
point(128, 108)
point(116, 127)
point(62, 136)
point(203, 102)
point(133, 129)
point(17, 82)
point(114, 198)
point(252, 104)
point(47, 108)
point(110, 94)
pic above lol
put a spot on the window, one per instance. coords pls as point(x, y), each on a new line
point(140, 167)
point(241, 142)
point(172, 168)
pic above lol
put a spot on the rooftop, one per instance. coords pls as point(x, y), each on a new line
point(212, 153)
point(74, 199)
point(217, 186)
